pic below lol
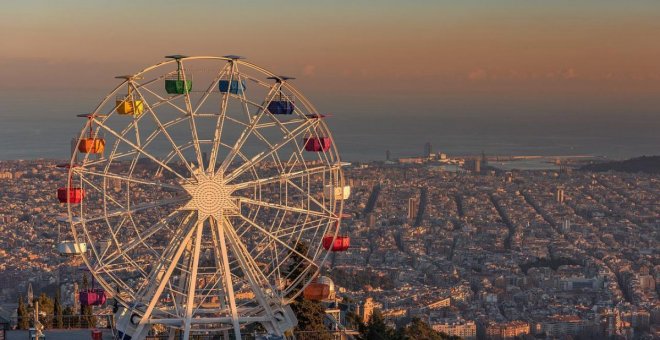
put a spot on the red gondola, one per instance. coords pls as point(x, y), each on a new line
point(92, 297)
point(70, 195)
point(342, 243)
point(318, 144)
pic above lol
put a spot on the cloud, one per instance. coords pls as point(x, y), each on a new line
point(309, 70)
point(477, 74)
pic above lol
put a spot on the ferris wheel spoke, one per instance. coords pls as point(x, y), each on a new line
point(133, 152)
point(162, 100)
point(100, 191)
point(192, 283)
point(111, 175)
point(280, 123)
point(220, 244)
point(191, 118)
point(248, 131)
point(212, 86)
point(284, 177)
point(255, 277)
point(276, 239)
point(219, 125)
point(167, 135)
point(148, 155)
point(261, 156)
point(161, 273)
point(130, 210)
point(296, 210)
point(237, 121)
point(125, 248)
point(309, 197)
point(309, 225)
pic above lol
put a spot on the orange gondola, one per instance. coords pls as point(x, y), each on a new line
point(92, 143)
point(316, 291)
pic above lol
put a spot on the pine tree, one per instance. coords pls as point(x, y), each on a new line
point(310, 314)
point(23, 314)
point(85, 282)
point(69, 312)
point(87, 311)
point(420, 330)
point(377, 329)
point(46, 307)
point(59, 316)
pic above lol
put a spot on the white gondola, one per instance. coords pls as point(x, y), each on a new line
point(71, 248)
point(340, 193)
point(66, 247)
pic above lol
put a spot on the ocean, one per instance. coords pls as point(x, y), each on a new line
point(40, 124)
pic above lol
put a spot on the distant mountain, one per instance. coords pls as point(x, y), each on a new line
point(647, 164)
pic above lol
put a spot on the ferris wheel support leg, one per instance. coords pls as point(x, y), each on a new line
point(164, 278)
point(192, 283)
point(280, 318)
point(227, 276)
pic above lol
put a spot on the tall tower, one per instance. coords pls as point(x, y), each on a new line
point(387, 155)
point(560, 195)
point(30, 294)
point(427, 150)
point(367, 309)
point(412, 208)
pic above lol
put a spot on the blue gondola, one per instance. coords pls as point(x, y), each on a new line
point(236, 87)
point(281, 107)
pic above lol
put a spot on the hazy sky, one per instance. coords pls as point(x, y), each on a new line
point(575, 60)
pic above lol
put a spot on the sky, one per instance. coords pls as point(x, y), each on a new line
point(593, 64)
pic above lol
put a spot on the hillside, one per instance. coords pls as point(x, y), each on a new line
point(647, 164)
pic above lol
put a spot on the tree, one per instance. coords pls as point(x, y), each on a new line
point(377, 329)
point(420, 330)
point(59, 315)
point(23, 314)
point(85, 282)
point(69, 312)
point(87, 311)
point(310, 314)
point(46, 307)
point(353, 321)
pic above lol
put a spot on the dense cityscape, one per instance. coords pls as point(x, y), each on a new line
point(474, 251)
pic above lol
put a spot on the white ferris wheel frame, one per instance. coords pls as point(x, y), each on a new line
point(186, 240)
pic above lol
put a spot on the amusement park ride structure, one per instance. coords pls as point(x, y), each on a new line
point(204, 206)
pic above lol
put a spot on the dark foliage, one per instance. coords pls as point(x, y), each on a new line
point(646, 164)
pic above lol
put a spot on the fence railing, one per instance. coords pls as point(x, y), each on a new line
point(69, 321)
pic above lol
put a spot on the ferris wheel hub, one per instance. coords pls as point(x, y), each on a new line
point(210, 197)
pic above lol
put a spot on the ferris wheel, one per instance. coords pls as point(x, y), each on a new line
point(208, 192)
